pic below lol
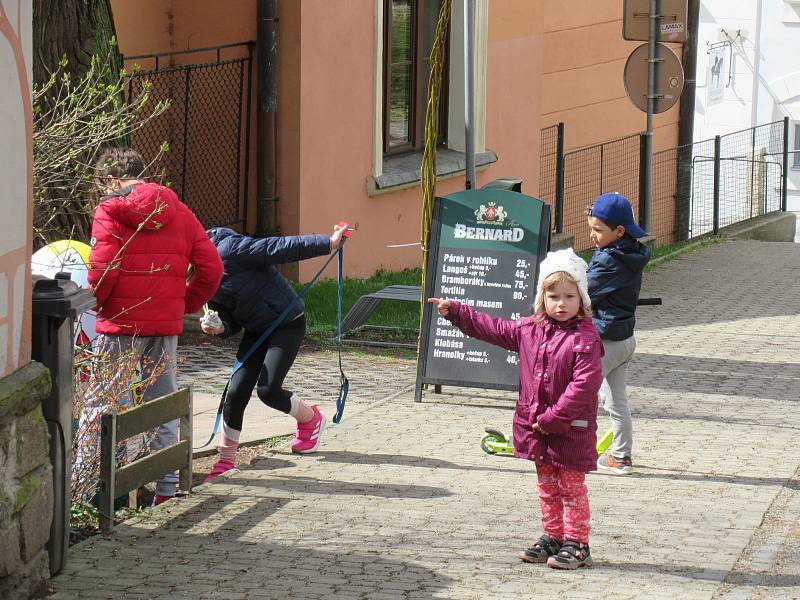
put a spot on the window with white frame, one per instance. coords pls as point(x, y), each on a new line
point(404, 33)
point(408, 35)
point(796, 147)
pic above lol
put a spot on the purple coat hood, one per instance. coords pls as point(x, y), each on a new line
point(560, 372)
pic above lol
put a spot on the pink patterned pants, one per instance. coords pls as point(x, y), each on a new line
point(564, 499)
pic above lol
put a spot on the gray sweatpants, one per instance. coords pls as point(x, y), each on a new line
point(615, 399)
point(155, 355)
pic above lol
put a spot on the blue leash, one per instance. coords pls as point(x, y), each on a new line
point(344, 383)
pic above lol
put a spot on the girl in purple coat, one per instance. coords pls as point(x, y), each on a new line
point(555, 422)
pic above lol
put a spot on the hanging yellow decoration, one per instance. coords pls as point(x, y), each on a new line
point(428, 174)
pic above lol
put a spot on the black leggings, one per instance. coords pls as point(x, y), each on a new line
point(268, 367)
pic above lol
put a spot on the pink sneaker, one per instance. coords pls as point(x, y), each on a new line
point(220, 467)
point(307, 437)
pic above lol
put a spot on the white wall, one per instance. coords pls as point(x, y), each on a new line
point(764, 68)
point(16, 162)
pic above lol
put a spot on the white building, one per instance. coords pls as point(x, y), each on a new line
point(748, 73)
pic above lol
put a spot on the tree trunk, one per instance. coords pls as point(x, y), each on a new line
point(75, 30)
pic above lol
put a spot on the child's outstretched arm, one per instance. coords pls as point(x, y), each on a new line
point(479, 325)
point(579, 400)
point(259, 253)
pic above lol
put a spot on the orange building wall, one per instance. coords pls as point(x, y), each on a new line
point(584, 61)
point(336, 128)
point(514, 90)
point(150, 26)
point(326, 79)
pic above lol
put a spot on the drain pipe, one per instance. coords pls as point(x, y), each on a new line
point(266, 129)
point(686, 122)
point(756, 67)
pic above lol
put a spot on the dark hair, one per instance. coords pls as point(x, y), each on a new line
point(119, 163)
point(610, 225)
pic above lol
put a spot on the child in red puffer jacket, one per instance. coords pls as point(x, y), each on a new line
point(143, 241)
point(555, 422)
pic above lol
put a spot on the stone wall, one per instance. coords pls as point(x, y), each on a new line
point(774, 227)
point(26, 487)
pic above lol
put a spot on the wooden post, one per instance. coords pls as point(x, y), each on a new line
point(108, 469)
point(185, 474)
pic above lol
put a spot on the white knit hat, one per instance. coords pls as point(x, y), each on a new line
point(570, 263)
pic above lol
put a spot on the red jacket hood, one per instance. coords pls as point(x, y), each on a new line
point(148, 203)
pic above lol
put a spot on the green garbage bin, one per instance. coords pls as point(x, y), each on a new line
point(507, 183)
point(56, 302)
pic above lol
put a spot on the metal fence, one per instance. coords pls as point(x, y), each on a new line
point(697, 189)
point(207, 126)
point(551, 169)
point(588, 172)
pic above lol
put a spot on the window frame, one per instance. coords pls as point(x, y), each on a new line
point(418, 100)
point(796, 146)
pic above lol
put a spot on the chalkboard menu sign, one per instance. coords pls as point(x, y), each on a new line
point(485, 250)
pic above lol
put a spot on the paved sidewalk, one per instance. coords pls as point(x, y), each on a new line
point(314, 377)
point(402, 503)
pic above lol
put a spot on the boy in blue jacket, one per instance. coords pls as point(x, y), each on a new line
point(252, 294)
point(615, 278)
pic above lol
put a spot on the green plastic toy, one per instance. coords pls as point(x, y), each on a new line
point(495, 442)
point(605, 442)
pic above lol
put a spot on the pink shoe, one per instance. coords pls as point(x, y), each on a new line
point(307, 437)
point(220, 467)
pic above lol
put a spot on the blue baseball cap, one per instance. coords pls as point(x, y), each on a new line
point(615, 209)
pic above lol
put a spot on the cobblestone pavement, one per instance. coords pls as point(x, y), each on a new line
point(207, 365)
point(314, 376)
point(402, 503)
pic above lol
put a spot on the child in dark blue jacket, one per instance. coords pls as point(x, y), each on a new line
point(251, 296)
point(615, 278)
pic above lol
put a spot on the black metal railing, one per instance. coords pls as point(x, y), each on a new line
point(698, 188)
point(588, 172)
point(206, 127)
point(551, 172)
point(734, 177)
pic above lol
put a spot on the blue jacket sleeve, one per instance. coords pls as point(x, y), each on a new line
point(261, 252)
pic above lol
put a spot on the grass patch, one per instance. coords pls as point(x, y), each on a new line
point(322, 298)
point(670, 251)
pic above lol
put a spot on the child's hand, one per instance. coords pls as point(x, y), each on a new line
point(538, 429)
point(211, 330)
point(443, 306)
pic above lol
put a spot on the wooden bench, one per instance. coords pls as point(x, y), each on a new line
point(362, 310)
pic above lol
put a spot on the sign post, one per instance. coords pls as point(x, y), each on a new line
point(652, 67)
point(486, 246)
point(672, 21)
point(666, 21)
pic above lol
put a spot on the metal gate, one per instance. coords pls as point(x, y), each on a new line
point(206, 128)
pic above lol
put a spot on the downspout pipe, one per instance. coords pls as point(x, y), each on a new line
point(686, 122)
point(469, 92)
point(756, 66)
point(266, 121)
